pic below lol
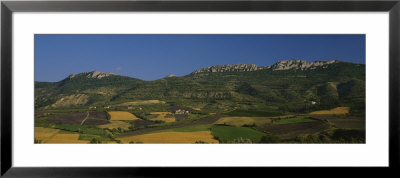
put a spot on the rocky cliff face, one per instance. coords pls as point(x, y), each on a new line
point(281, 65)
point(231, 68)
point(300, 64)
point(170, 75)
point(93, 74)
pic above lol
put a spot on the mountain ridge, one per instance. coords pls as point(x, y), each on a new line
point(92, 74)
point(280, 65)
point(329, 83)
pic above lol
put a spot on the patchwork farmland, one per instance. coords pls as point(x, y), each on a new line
point(96, 118)
point(123, 126)
point(292, 101)
point(162, 116)
point(55, 136)
point(115, 125)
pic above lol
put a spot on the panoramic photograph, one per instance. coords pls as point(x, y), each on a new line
point(199, 89)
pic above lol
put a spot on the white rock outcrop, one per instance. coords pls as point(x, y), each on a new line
point(281, 65)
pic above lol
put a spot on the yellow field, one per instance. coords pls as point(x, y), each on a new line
point(48, 135)
point(240, 121)
point(122, 116)
point(161, 117)
point(115, 125)
point(334, 111)
point(140, 102)
point(43, 134)
point(171, 137)
point(66, 138)
point(110, 142)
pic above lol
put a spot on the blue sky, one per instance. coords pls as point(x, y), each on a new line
point(151, 57)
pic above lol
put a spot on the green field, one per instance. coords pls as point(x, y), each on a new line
point(298, 119)
point(243, 121)
point(194, 128)
point(230, 134)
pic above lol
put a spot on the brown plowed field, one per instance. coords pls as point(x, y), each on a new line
point(74, 118)
point(96, 118)
point(344, 122)
point(296, 129)
point(142, 123)
point(95, 122)
point(180, 117)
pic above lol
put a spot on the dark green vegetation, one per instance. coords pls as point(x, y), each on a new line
point(333, 136)
point(252, 92)
point(293, 120)
point(229, 134)
point(190, 128)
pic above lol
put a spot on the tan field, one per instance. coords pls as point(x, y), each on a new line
point(48, 135)
point(110, 142)
point(162, 117)
point(143, 102)
point(334, 111)
point(43, 134)
point(122, 116)
point(171, 137)
point(240, 121)
point(66, 138)
point(115, 125)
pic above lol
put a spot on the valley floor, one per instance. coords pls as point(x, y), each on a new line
point(188, 125)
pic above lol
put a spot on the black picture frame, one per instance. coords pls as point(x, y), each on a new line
point(8, 7)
